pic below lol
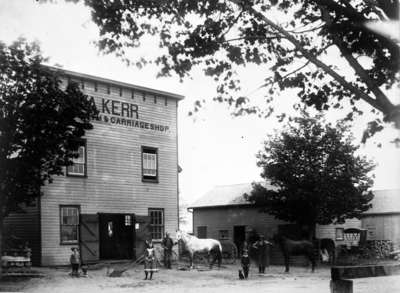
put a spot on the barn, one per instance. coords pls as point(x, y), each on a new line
point(122, 188)
point(223, 213)
point(382, 221)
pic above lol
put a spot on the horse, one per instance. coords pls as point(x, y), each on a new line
point(291, 247)
point(194, 245)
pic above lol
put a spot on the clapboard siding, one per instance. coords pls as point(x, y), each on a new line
point(225, 218)
point(114, 169)
point(25, 225)
point(329, 231)
point(383, 227)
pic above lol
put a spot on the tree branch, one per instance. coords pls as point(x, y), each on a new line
point(346, 85)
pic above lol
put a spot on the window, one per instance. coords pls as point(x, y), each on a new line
point(202, 232)
point(339, 234)
point(223, 234)
point(149, 164)
point(156, 223)
point(128, 220)
point(78, 168)
point(69, 219)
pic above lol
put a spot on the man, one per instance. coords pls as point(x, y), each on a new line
point(262, 247)
point(167, 244)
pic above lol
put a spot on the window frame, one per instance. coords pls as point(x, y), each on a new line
point(206, 232)
point(220, 234)
point(84, 175)
point(157, 225)
point(336, 234)
point(72, 242)
point(146, 178)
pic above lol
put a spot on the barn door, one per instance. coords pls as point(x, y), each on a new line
point(89, 238)
point(142, 233)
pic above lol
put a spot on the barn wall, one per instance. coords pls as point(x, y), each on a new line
point(383, 227)
point(329, 231)
point(114, 183)
point(26, 226)
point(225, 218)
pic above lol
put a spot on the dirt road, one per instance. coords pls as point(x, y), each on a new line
point(223, 280)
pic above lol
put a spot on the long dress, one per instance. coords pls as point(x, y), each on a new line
point(150, 260)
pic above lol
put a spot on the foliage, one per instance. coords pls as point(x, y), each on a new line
point(40, 124)
point(294, 38)
point(318, 177)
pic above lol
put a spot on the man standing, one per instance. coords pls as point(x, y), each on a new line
point(167, 244)
point(262, 247)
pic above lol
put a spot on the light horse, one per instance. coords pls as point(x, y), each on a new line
point(194, 245)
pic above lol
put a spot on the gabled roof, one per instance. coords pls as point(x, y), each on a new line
point(226, 195)
point(385, 201)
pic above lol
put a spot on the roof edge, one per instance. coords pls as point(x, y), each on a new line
point(220, 206)
point(85, 76)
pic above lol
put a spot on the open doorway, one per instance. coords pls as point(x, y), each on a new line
point(116, 236)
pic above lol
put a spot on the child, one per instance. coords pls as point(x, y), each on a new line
point(149, 261)
point(245, 260)
point(75, 261)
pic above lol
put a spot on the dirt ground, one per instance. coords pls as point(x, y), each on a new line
point(221, 280)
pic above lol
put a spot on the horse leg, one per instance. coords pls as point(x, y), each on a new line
point(191, 257)
point(287, 260)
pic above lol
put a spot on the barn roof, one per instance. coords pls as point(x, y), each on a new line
point(385, 201)
point(226, 195)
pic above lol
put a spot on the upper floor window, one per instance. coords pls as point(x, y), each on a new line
point(149, 164)
point(78, 168)
point(69, 222)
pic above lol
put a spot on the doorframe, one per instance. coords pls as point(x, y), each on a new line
point(133, 231)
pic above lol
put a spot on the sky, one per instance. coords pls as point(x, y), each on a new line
point(214, 147)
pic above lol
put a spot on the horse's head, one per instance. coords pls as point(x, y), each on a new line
point(179, 235)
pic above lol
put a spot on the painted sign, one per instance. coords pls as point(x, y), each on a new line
point(123, 113)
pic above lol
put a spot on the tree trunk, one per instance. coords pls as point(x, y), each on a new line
point(1, 246)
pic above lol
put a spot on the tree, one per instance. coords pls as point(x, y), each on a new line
point(318, 177)
point(223, 35)
point(40, 125)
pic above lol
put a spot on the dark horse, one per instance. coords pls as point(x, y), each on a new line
point(291, 247)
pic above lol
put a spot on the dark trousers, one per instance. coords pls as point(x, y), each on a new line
point(167, 258)
point(246, 271)
point(75, 268)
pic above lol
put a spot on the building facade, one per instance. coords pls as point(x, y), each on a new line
point(123, 187)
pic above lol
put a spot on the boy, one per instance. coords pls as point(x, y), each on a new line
point(245, 260)
point(75, 261)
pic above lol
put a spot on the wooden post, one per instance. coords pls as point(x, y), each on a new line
point(341, 286)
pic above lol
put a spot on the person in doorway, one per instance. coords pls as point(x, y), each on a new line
point(245, 261)
point(75, 262)
point(149, 261)
point(167, 244)
point(263, 248)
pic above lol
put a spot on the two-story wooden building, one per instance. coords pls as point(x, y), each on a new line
point(121, 189)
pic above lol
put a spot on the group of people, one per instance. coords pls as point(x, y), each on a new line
point(150, 262)
point(262, 248)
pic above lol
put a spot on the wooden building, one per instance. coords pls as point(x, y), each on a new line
point(223, 213)
point(122, 188)
point(382, 221)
